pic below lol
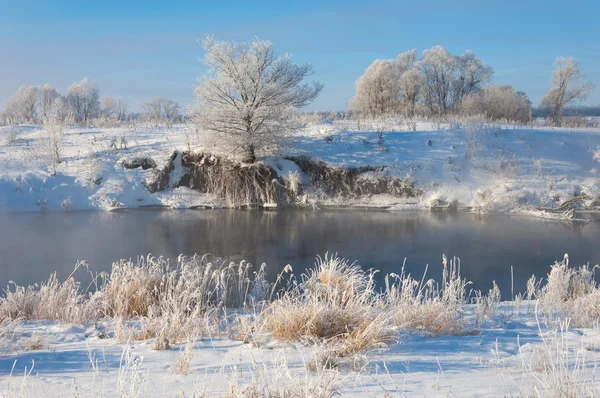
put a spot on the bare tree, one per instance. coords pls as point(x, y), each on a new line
point(568, 85)
point(153, 110)
point(21, 108)
point(170, 111)
point(46, 96)
point(448, 79)
point(472, 73)
point(109, 108)
point(56, 121)
point(121, 109)
point(84, 99)
point(250, 95)
point(438, 67)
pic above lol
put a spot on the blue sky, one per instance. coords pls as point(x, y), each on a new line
point(141, 50)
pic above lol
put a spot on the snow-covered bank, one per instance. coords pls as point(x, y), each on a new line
point(407, 347)
point(481, 167)
point(513, 358)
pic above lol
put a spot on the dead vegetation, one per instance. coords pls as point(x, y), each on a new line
point(350, 182)
point(240, 184)
point(233, 182)
point(572, 291)
point(145, 163)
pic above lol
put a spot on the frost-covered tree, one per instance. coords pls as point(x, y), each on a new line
point(472, 73)
point(448, 79)
point(152, 111)
point(108, 108)
point(56, 122)
point(410, 81)
point(568, 85)
point(84, 99)
point(250, 95)
point(161, 110)
point(170, 111)
point(46, 96)
point(498, 103)
point(438, 67)
point(121, 109)
point(21, 108)
point(378, 90)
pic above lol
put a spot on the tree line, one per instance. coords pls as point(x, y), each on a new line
point(82, 105)
point(440, 83)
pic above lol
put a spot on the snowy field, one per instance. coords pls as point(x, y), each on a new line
point(513, 358)
point(480, 166)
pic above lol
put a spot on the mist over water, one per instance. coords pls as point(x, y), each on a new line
point(33, 245)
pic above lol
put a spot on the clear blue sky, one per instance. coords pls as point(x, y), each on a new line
point(144, 49)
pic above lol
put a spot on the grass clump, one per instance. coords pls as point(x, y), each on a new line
point(573, 292)
point(427, 307)
point(335, 303)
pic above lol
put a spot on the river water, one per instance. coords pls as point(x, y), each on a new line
point(34, 245)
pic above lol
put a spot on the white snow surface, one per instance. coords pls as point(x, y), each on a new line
point(505, 359)
point(486, 167)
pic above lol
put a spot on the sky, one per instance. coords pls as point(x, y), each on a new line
point(143, 50)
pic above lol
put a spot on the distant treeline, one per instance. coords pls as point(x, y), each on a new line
point(571, 111)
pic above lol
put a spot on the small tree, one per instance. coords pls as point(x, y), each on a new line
point(568, 86)
point(56, 122)
point(250, 96)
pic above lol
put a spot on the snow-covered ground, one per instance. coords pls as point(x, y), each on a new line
point(513, 356)
point(483, 167)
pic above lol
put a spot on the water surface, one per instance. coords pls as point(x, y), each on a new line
point(33, 245)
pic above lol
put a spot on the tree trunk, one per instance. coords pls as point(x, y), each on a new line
point(250, 154)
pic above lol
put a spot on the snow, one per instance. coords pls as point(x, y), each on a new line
point(501, 360)
point(485, 167)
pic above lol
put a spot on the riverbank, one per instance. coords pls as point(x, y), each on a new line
point(480, 167)
point(221, 334)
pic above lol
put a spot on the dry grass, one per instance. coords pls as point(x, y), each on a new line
point(572, 292)
point(36, 342)
point(182, 366)
point(51, 300)
point(173, 302)
point(558, 367)
point(336, 303)
point(275, 380)
point(427, 307)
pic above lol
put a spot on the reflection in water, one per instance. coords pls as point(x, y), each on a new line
point(32, 245)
